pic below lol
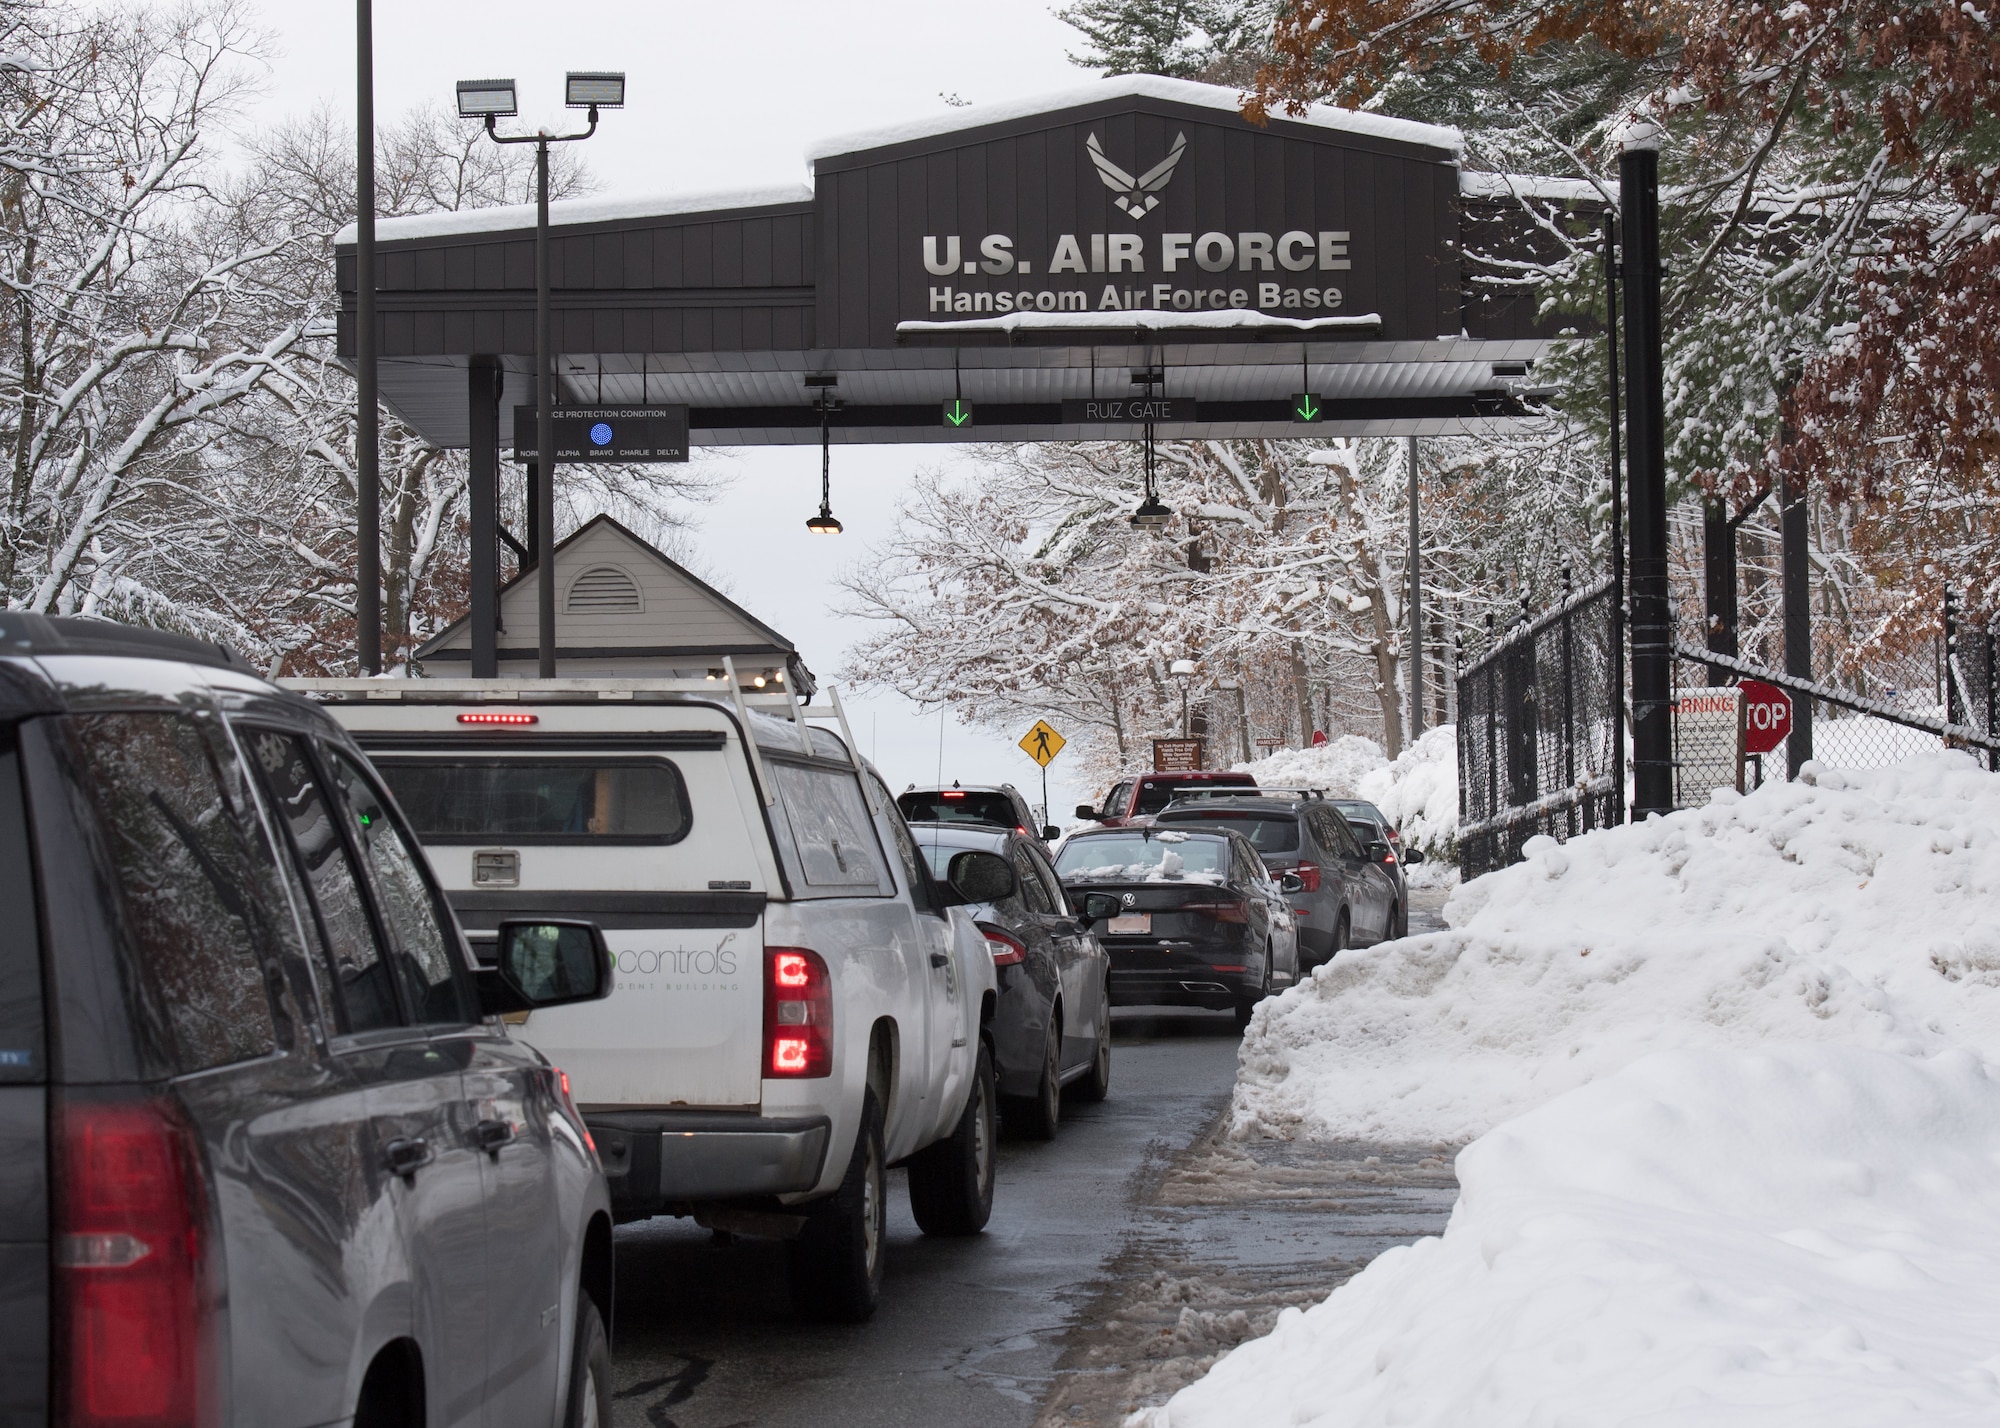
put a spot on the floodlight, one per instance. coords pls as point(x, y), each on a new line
point(1151, 514)
point(486, 99)
point(594, 90)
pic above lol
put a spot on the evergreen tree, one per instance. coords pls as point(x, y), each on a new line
point(1182, 39)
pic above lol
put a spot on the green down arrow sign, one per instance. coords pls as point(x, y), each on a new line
point(957, 413)
point(1306, 407)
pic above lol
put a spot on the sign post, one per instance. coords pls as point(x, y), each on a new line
point(1042, 743)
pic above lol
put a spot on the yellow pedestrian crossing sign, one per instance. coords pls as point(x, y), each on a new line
point(1042, 742)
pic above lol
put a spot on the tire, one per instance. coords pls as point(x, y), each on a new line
point(1097, 1085)
point(589, 1370)
point(1037, 1116)
point(1399, 921)
point(1246, 1007)
point(1341, 932)
point(837, 1258)
point(951, 1182)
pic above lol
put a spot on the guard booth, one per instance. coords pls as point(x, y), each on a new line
point(1129, 257)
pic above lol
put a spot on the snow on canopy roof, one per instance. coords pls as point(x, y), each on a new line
point(1128, 319)
point(1479, 184)
point(572, 211)
point(1146, 86)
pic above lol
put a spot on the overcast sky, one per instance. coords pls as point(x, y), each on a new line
point(729, 96)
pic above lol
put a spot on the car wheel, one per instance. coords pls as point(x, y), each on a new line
point(1245, 1008)
point(1399, 922)
point(951, 1182)
point(1037, 1116)
point(589, 1370)
point(837, 1258)
point(1097, 1085)
point(1340, 934)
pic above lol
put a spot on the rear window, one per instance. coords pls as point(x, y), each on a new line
point(469, 800)
point(989, 810)
point(1267, 833)
point(1157, 793)
point(1158, 855)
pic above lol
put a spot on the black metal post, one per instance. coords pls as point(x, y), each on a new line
point(1954, 707)
point(367, 430)
point(1718, 542)
point(1795, 579)
point(1416, 606)
point(1617, 524)
point(545, 438)
point(483, 483)
point(1645, 421)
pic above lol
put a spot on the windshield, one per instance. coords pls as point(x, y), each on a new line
point(545, 800)
point(1157, 793)
point(953, 805)
point(1154, 856)
point(1268, 832)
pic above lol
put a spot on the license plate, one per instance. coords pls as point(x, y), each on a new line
point(1130, 924)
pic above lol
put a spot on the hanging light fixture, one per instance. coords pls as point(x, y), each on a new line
point(825, 523)
point(1152, 513)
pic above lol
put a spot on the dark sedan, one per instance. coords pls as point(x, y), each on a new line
point(1201, 922)
point(1052, 1027)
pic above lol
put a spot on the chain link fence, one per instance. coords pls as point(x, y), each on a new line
point(1540, 732)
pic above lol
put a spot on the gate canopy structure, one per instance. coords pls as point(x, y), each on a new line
point(1011, 257)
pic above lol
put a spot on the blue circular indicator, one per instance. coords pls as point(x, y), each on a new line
point(600, 434)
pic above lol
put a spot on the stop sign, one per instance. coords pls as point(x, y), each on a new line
point(1767, 715)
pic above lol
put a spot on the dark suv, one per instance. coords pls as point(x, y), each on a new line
point(986, 805)
point(1345, 897)
point(263, 1158)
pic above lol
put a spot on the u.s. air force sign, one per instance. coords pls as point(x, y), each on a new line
point(1188, 212)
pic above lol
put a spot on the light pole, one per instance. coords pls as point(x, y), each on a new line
point(492, 99)
point(1230, 681)
point(1183, 670)
point(367, 433)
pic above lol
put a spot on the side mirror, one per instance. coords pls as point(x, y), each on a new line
point(1291, 883)
point(1050, 833)
point(1084, 810)
point(1412, 854)
point(974, 877)
point(546, 964)
point(1098, 907)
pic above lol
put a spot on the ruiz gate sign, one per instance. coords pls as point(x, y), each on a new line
point(1157, 208)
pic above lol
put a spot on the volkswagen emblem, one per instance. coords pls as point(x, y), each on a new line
point(1131, 899)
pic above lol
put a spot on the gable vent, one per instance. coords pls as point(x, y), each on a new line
point(604, 590)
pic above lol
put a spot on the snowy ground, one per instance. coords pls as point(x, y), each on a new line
point(1752, 1173)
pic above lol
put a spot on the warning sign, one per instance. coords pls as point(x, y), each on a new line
point(1042, 743)
point(1708, 744)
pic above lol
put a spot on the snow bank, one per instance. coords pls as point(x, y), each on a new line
point(1419, 793)
point(1849, 907)
point(1804, 1235)
point(1336, 766)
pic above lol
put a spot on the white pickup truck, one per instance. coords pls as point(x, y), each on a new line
point(799, 1004)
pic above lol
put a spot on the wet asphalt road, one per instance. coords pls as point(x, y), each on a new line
point(1135, 1213)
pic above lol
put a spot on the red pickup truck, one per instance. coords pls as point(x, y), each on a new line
point(1134, 800)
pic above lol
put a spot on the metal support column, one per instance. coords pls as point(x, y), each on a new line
point(367, 429)
point(1416, 606)
point(545, 452)
point(1794, 536)
point(1718, 542)
point(483, 509)
point(1645, 431)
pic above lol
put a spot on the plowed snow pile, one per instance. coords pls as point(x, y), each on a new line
point(1809, 1235)
point(1753, 1175)
point(1857, 908)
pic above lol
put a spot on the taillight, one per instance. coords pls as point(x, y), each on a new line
point(1220, 910)
point(1309, 875)
point(798, 1013)
point(130, 1231)
point(569, 1107)
point(1007, 950)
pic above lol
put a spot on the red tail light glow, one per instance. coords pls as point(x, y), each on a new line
point(798, 1014)
point(576, 1117)
point(130, 1240)
point(954, 793)
point(1008, 951)
point(1220, 910)
point(499, 718)
point(1309, 875)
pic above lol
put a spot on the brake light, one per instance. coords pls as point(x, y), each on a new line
point(498, 718)
point(1007, 951)
point(130, 1241)
point(1390, 856)
point(1220, 910)
point(1309, 875)
point(798, 1013)
point(954, 793)
point(569, 1105)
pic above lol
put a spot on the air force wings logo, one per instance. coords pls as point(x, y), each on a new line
point(1137, 196)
